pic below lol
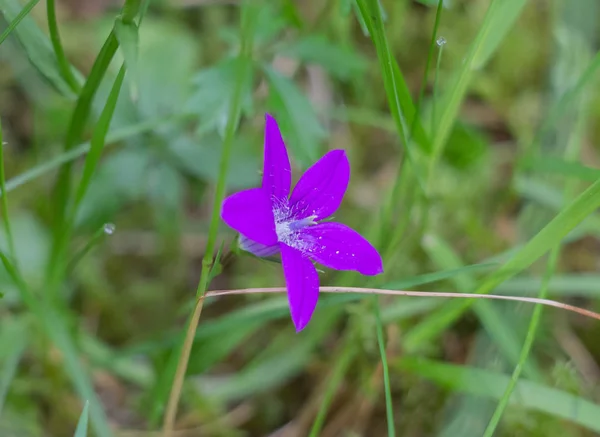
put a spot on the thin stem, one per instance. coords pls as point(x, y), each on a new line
point(94, 241)
point(435, 84)
point(63, 64)
point(14, 23)
point(531, 332)
point(432, 45)
point(386, 373)
point(207, 262)
point(571, 153)
point(171, 411)
point(5, 218)
point(535, 300)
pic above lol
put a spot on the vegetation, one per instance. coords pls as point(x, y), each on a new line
point(471, 130)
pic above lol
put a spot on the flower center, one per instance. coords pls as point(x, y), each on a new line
point(288, 226)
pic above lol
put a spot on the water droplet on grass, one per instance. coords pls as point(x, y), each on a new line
point(109, 228)
point(441, 41)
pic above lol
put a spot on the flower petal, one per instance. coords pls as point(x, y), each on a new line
point(251, 214)
point(321, 188)
point(339, 247)
point(302, 283)
point(277, 174)
point(257, 249)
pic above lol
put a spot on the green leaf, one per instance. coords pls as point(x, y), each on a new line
point(82, 425)
point(491, 385)
point(128, 37)
point(200, 158)
point(295, 116)
point(342, 62)
point(36, 46)
point(441, 275)
point(77, 124)
point(214, 89)
point(98, 141)
point(558, 166)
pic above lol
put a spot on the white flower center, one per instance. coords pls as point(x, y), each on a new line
point(288, 226)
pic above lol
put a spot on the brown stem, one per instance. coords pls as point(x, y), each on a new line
point(547, 302)
point(175, 394)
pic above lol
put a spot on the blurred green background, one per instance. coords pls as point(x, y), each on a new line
point(520, 145)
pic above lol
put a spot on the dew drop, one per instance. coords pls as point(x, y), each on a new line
point(441, 41)
point(109, 228)
point(337, 252)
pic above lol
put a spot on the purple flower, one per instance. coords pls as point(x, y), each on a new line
point(271, 221)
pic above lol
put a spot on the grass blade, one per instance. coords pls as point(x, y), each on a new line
point(337, 373)
point(5, 217)
point(77, 124)
point(397, 100)
point(82, 424)
point(98, 140)
point(82, 149)
point(548, 237)
point(63, 64)
point(503, 333)
point(15, 22)
point(389, 409)
point(531, 332)
point(128, 36)
point(491, 385)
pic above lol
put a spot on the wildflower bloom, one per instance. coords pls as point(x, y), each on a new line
point(270, 220)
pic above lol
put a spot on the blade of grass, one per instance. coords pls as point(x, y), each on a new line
point(532, 396)
point(572, 151)
point(79, 151)
point(82, 424)
point(79, 118)
point(98, 141)
point(504, 335)
point(63, 64)
point(371, 13)
point(548, 237)
point(128, 36)
point(335, 378)
point(5, 216)
point(558, 166)
point(105, 230)
point(389, 409)
point(55, 327)
point(15, 22)
point(531, 332)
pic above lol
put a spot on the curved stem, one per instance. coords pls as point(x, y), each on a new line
point(207, 261)
point(535, 300)
point(63, 64)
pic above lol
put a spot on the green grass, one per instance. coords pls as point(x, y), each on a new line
point(473, 170)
